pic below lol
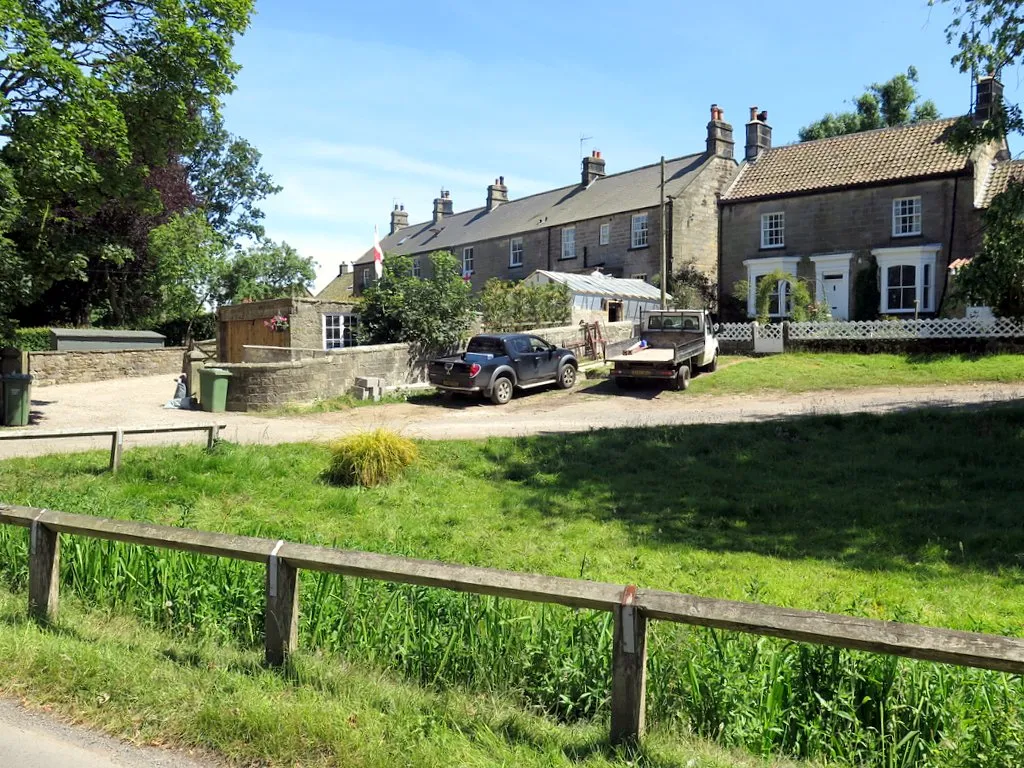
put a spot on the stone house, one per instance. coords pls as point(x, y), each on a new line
point(872, 220)
point(607, 222)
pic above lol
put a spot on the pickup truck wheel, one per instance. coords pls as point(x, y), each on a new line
point(567, 376)
point(501, 392)
point(682, 379)
point(713, 365)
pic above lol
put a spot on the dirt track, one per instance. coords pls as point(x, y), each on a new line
point(138, 402)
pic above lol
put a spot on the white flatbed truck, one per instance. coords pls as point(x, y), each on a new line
point(673, 345)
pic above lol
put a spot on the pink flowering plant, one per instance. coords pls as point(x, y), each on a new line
point(277, 323)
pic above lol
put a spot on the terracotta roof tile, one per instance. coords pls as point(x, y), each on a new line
point(883, 155)
point(999, 177)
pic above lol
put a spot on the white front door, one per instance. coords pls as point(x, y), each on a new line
point(836, 291)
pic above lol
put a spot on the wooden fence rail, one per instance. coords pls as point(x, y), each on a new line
point(632, 607)
point(116, 435)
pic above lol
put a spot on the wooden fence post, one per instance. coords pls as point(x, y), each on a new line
point(213, 435)
point(43, 572)
point(281, 622)
point(629, 671)
point(116, 447)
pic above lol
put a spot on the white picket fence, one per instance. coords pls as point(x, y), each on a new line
point(769, 338)
point(938, 328)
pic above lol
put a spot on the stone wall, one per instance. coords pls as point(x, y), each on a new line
point(256, 386)
point(99, 365)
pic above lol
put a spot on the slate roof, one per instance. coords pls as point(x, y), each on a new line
point(999, 177)
point(339, 289)
point(603, 285)
point(615, 193)
point(871, 157)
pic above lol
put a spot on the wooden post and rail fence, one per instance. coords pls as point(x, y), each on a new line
point(116, 435)
point(632, 607)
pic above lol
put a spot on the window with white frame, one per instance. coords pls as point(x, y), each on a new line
point(606, 234)
point(773, 230)
point(515, 252)
point(906, 216)
point(341, 330)
point(638, 231)
point(417, 269)
point(467, 261)
point(757, 269)
point(906, 279)
point(568, 242)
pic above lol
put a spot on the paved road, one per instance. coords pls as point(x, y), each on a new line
point(138, 402)
point(32, 739)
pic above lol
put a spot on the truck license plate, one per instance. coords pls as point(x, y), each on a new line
point(639, 373)
point(449, 383)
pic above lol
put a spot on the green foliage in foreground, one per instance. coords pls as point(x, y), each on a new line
point(807, 372)
point(108, 670)
point(890, 517)
point(370, 459)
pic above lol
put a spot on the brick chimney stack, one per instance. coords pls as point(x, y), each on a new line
point(988, 99)
point(442, 206)
point(759, 135)
point(720, 141)
point(399, 218)
point(593, 168)
point(497, 193)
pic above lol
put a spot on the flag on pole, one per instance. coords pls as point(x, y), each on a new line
point(378, 254)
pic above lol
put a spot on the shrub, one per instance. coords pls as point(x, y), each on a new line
point(511, 306)
point(370, 458)
point(32, 339)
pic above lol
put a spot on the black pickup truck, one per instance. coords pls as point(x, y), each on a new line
point(496, 364)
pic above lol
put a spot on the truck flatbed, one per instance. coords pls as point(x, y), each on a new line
point(649, 355)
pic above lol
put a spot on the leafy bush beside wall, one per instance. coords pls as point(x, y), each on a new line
point(511, 306)
point(32, 339)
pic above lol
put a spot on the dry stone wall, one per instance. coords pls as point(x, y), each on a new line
point(258, 386)
point(77, 367)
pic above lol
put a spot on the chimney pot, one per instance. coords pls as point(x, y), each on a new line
point(497, 193)
point(501, 180)
point(753, 113)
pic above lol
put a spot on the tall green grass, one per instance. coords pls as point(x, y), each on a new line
point(771, 697)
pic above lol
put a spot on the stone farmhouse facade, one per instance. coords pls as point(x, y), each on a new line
point(606, 222)
point(873, 220)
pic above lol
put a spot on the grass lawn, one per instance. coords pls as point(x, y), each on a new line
point(107, 670)
point(910, 516)
point(804, 372)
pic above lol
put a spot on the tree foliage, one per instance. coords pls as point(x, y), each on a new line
point(515, 306)
point(995, 276)
point(434, 313)
point(894, 102)
point(267, 270)
point(800, 304)
point(110, 127)
point(692, 288)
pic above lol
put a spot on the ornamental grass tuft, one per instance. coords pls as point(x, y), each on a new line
point(370, 459)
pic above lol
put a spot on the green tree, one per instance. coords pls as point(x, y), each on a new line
point(267, 270)
point(434, 313)
point(894, 102)
point(109, 126)
point(191, 262)
point(995, 276)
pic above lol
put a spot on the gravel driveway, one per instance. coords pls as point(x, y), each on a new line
point(138, 402)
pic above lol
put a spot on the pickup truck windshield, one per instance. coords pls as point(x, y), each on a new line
point(485, 345)
point(673, 323)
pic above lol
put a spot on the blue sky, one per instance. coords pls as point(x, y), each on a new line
point(359, 105)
